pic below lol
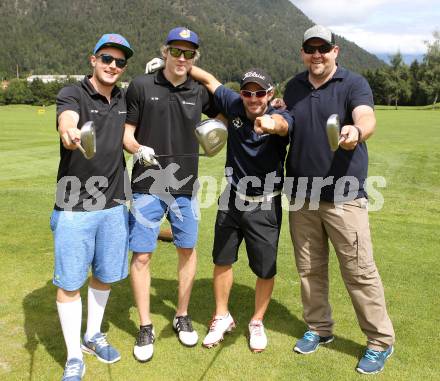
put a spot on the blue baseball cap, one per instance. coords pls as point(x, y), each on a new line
point(182, 34)
point(116, 41)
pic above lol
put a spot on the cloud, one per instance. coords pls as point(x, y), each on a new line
point(339, 12)
point(383, 42)
point(379, 26)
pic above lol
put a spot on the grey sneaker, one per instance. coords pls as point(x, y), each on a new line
point(99, 346)
point(74, 370)
point(373, 362)
point(310, 342)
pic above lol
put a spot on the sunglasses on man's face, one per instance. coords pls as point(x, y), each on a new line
point(107, 59)
point(310, 49)
point(250, 94)
point(176, 53)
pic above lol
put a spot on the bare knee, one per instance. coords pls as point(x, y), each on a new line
point(140, 260)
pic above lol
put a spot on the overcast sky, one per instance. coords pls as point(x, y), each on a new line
point(379, 26)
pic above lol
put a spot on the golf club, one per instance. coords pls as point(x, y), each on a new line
point(88, 140)
point(211, 135)
point(333, 131)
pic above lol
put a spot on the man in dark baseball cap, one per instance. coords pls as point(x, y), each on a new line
point(257, 76)
point(250, 206)
point(182, 34)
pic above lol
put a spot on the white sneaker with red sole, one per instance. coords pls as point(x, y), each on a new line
point(218, 326)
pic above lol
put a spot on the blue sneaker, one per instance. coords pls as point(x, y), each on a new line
point(372, 361)
point(99, 346)
point(74, 370)
point(310, 342)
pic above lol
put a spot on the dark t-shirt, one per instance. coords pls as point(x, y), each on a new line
point(98, 183)
point(250, 154)
point(309, 152)
point(165, 117)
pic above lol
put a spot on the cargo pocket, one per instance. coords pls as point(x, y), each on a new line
point(365, 252)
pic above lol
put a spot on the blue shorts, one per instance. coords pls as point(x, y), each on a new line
point(82, 239)
point(147, 212)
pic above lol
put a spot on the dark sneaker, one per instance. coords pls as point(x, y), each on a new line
point(310, 342)
point(143, 347)
point(74, 370)
point(183, 327)
point(372, 361)
point(100, 347)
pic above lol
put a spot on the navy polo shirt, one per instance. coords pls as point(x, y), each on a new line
point(309, 152)
point(97, 183)
point(165, 117)
point(250, 154)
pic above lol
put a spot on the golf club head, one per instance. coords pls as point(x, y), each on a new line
point(88, 139)
point(333, 131)
point(212, 135)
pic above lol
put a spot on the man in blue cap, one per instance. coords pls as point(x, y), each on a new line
point(89, 220)
point(163, 109)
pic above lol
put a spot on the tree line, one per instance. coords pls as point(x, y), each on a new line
point(394, 84)
point(415, 85)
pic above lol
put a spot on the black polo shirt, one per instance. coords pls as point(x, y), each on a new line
point(98, 183)
point(165, 117)
point(250, 154)
point(309, 152)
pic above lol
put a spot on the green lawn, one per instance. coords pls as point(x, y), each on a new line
point(405, 151)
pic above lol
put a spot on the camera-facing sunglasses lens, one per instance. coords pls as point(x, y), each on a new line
point(107, 59)
point(250, 94)
point(309, 49)
point(188, 54)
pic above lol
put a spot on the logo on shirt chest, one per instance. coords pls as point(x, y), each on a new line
point(237, 122)
point(188, 103)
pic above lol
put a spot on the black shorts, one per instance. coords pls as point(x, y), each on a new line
point(260, 229)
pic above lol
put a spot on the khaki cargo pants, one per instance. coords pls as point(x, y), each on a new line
point(348, 229)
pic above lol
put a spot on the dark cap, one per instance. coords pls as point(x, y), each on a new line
point(182, 34)
point(257, 76)
point(319, 31)
point(115, 41)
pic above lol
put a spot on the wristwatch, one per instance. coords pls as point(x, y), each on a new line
point(359, 133)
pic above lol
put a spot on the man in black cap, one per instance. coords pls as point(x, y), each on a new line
point(335, 205)
point(163, 109)
point(250, 207)
point(89, 220)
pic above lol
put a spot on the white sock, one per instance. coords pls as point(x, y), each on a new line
point(70, 317)
point(97, 300)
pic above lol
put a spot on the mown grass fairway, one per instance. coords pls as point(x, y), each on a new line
point(405, 150)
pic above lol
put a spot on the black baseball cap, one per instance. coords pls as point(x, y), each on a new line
point(256, 75)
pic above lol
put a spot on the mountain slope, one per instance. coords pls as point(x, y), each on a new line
point(56, 37)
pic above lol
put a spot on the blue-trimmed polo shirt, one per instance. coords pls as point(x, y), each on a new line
point(309, 152)
point(250, 154)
